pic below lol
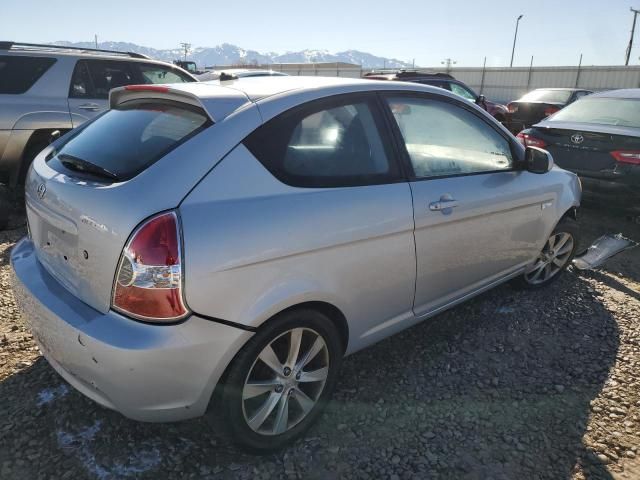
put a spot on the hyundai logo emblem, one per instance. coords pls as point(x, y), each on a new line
point(577, 138)
point(42, 189)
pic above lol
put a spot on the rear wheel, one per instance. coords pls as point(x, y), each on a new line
point(555, 257)
point(279, 383)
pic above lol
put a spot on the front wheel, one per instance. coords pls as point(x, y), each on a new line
point(281, 379)
point(555, 257)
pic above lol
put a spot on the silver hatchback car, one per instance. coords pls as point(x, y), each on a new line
point(242, 239)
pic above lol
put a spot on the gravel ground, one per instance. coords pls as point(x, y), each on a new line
point(514, 385)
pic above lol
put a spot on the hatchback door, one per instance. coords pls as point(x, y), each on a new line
point(477, 219)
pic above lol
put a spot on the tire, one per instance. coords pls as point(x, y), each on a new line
point(567, 229)
point(243, 417)
point(30, 153)
point(5, 207)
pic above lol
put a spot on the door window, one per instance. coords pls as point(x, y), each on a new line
point(325, 145)
point(150, 73)
point(462, 92)
point(103, 75)
point(444, 139)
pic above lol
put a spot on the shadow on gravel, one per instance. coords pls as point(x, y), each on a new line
point(497, 388)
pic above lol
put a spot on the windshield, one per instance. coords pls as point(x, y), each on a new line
point(622, 112)
point(145, 132)
point(550, 96)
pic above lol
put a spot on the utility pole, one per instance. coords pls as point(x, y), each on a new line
point(448, 62)
point(95, 37)
point(633, 30)
point(515, 36)
point(186, 47)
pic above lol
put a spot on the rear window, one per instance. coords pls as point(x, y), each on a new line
point(123, 142)
point(623, 112)
point(551, 96)
point(18, 74)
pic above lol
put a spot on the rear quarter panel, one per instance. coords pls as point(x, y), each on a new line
point(255, 246)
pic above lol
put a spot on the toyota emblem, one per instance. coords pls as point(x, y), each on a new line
point(577, 138)
point(42, 189)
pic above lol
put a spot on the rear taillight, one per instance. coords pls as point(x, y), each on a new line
point(147, 88)
point(627, 156)
point(513, 108)
point(550, 110)
point(148, 283)
point(529, 140)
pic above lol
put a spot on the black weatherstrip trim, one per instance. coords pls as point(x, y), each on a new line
point(225, 322)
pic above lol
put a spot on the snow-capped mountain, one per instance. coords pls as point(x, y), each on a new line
point(227, 54)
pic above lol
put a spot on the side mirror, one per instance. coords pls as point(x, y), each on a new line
point(481, 100)
point(537, 160)
point(54, 136)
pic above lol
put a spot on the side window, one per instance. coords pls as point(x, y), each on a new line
point(579, 95)
point(462, 92)
point(150, 73)
point(325, 144)
point(19, 73)
point(108, 74)
point(436, 83)
point(444, 139)
point(81, 86)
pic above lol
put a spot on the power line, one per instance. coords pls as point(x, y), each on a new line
point(186, 46)
point(633, 30)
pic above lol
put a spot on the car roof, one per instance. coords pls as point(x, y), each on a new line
point(258, 88)
point(568, 89)
point(220, 100)
point(622, 93)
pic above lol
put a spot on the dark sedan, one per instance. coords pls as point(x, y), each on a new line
point(539, 104)
point(599, 139)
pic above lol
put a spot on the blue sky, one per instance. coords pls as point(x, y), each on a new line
point(554, 32)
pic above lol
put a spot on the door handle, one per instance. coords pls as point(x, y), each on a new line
point(89, 106)
point(442, 205)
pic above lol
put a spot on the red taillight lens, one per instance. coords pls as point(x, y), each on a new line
point(530, 141)
point(148, 283)
point(512, 108)
point(550, 110)
point(627, 156)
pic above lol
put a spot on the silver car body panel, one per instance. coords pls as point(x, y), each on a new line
point(254, 246)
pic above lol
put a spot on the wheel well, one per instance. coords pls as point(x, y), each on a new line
point(332, 312)
point(571, 213)
point(38, 137)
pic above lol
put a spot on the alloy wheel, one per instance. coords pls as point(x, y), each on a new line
point(285, 381)
point(552, 259)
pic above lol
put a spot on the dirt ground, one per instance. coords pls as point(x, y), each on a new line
point(511, 385)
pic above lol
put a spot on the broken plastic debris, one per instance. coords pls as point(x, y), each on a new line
point(601, 250)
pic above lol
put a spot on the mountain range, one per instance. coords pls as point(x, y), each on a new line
point(227, 54)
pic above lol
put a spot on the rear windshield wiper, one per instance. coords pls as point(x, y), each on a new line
point(80, 165)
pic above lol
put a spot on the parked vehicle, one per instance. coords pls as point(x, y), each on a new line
point(599, 139)
point(199, 238)
point(49, 88)
point(539, 104)
point(189, 66)
point(446, 81)
point(235, 73)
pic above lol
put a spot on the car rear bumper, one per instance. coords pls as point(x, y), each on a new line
point(146, 372)
point(615, 193)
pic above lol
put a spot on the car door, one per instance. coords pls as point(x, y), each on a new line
point(90, 85)
point(477, 218)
